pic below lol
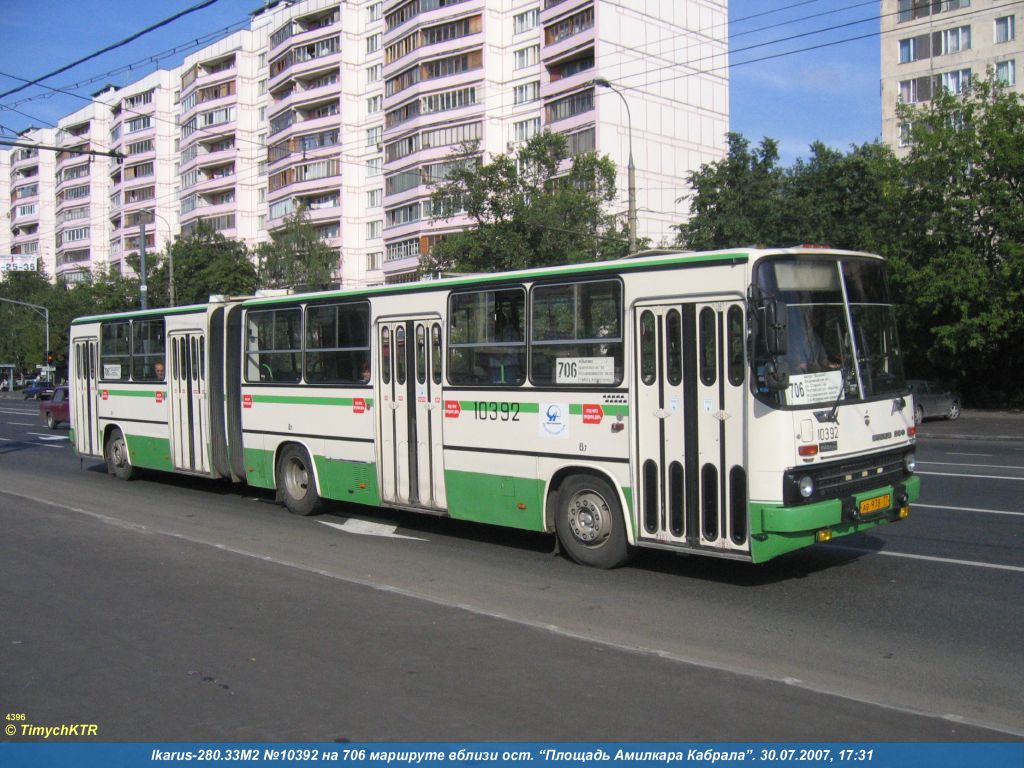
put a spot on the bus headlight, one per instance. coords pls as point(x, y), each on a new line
point(910, 461)
point(806, 486)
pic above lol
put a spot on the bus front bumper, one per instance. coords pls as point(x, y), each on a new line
point(777, 529)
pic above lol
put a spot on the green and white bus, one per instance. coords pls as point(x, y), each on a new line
point(740, 404)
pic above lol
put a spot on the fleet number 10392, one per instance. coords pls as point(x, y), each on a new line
point(488, 410)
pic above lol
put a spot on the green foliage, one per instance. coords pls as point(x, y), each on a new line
point(296, 257)
point(206, 263)
point(949, 217)
point(537, 207)
point(965, 258)
point(23, 341)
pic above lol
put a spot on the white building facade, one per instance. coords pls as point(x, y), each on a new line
point(352, 110)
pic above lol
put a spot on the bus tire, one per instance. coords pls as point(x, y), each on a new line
point(589, 522)
point(296, 482)
point(115, 452)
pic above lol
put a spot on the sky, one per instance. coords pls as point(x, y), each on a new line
point(830, 93)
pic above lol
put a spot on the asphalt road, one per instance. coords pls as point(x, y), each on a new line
point(177, 609)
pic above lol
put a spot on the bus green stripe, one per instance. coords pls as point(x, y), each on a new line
point(576, 409)
point(135, 392)
point(308, 400)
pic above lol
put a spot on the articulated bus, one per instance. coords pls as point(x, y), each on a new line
point(741, 404)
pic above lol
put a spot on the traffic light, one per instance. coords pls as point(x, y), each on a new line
point(49, 357)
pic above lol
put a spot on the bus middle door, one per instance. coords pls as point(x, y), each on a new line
point(189, 428)
point(408, 378)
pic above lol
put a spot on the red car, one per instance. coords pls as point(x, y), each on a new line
point(55, 410)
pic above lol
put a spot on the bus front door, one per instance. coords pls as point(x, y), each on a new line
point(86, 425)
point(408, 378)
point(190, 430)
point(690, 477)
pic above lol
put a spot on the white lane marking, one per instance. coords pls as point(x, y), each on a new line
point(954, 453)
point(51, 438)
point(966, 509)
point(931, 558)
point(369, 528)
point(22, 423)
point(976, 477)
point(47, 445)
point(555, 629)
point(961, 464)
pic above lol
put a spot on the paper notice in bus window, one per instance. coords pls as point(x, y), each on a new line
point(820, 387)
point(584, 370)
point(111, 370)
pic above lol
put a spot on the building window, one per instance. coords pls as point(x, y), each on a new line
point(373, 167)
point(566, 28)
point(442, 102)
point(374, 135)
point(525, 21)
point(1006, 72)
point(373, 74)
point(570, 106)
point(953, 40)
point(523, 94)
point(373, 229)
point(373, 261)
point(525, 129)
point(374, 104)
point(527, 57)
point(373, 12)
point(373, 43)
point(374, 198)
point(1005, 29)
point(956, 81)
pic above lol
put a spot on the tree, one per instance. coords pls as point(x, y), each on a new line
point(205, 263)
point(735, 201)
point(963, 263)
point(296, 257)
point(534, 208)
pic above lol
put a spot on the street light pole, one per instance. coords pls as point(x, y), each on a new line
point(631, 169)
point(143, 288)
point(170, 253)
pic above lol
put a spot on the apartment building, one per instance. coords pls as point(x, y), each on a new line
point(142, 194)
point(32, 198)
point(499, 72)
point(222, 124)
point(321, 107)
point(932, 44)
point(82, 191)
point(352, 110)
point(5, 203)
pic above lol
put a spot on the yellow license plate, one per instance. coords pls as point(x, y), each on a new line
point(875, 504)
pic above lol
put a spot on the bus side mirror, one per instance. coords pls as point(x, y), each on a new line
point(775, 336)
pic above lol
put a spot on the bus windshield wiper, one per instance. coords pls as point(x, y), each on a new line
point(834, 413)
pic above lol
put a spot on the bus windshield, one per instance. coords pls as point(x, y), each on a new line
point(840, 331)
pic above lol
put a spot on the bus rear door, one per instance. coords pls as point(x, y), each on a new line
point(86, 425)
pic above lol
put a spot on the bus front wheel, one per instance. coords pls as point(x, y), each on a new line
point(589, 522)
point(115, 452)
point(296, 482)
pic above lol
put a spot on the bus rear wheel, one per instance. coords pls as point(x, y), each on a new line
point(115, 452)
point(589, 522)
point(296, 482)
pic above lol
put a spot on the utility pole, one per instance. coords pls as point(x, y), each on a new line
point(143, 288)
point(631, 169)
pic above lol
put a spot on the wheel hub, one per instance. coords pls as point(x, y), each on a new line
point(589, 518)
